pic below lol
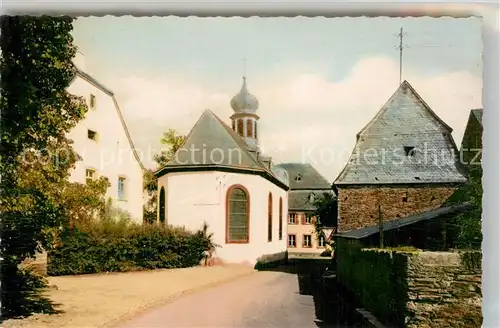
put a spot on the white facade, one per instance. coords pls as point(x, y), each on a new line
point(102, 140)
point(193, 198)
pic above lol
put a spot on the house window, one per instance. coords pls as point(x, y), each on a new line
point(307, 241)
point(238, 212)
point(280, 231)
point(250, 128)
point(292, 242)
point(321, 241)
point(405, 197)
point(121, 188)
point(409, 151)
point(240, 127)
point(161, 208)
point(92, 135)
point(292, 218)
point(270, 218)
point(92, 101)
point(307, 219)
point(89, 175)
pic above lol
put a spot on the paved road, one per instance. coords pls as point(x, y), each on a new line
point(263, 299)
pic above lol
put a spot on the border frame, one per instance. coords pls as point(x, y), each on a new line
point(488, 10)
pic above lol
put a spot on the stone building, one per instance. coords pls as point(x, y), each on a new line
point(220, 176)
point(472, 143)
point(405, 161)
point(305, 183)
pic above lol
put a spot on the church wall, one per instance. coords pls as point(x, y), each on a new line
point(195, 197)
point(358, 206)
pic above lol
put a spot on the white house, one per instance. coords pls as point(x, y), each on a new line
point(219, 176)
point(106, 148)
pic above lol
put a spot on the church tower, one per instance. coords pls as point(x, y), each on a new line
point(245, 119)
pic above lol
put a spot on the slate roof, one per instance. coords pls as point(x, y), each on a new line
point(211, 143)
point(94, 82)
point(404, 121)
point(311, 182)
point(310, 177)
point(478, 113)
point(298, 200)
point(402, 222)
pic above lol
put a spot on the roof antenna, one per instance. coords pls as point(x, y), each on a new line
point(400, 48)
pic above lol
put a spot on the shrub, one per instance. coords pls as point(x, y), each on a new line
point(119, 246)
point(326, 253)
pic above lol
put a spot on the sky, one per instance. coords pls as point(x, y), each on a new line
point(319, 81)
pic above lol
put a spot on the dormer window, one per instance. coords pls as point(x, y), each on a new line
point(409, 151)
point(298, 178)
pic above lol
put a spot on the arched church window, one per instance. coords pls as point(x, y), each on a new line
point(162, 205)
point(234, 124)
point(255, 130)
point(240, 127)
point(237, 215)
point(270, 218)
point(250, 128)
point(280, 232)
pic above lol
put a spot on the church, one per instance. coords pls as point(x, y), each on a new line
point(221, 177)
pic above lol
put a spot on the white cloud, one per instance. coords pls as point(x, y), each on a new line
point(299, 110)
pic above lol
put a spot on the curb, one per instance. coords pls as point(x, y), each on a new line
point(115, 323)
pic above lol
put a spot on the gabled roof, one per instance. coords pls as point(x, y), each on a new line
point(409, 220)
point(404, 110)
point(212, 144)
point(478, 114)
point(309, 177)
point(94, 82)
point(403, 123)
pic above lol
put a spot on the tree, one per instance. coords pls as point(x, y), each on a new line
point(37, 113)
point(465, 230)
point(173, 141)
point(325, 212)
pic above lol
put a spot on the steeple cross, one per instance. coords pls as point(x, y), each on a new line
point(244, 67)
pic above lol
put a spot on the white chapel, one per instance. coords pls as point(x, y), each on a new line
point(221, 177)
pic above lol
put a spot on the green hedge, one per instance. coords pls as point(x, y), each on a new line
point(119, 247)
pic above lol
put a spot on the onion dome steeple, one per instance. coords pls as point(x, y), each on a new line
point(244, 101)
point(244, 119)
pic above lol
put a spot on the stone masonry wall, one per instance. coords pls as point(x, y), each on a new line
point(413, 289)
point(358, 206)
point(444, 290)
